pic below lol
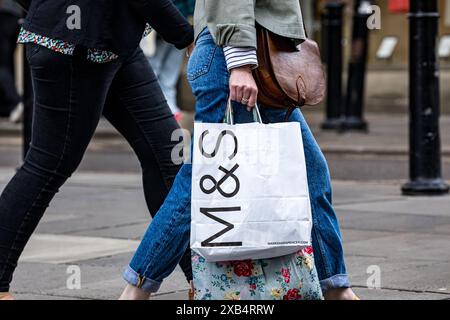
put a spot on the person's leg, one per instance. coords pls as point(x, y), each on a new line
point(168, 235)
point(6, 296)
point(167, 64)
point(164, 242)
point(136, 107)
point(169, 75)
point(69, 96)
point(157, 60)
point(326, 237)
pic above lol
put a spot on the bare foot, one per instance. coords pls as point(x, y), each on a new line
point(340, 294)
point(133, 293)
point(6, 296)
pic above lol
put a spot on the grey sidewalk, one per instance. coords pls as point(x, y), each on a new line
point(380, 155)
point(388, 134)
point(97, 219)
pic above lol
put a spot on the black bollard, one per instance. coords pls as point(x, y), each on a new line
point(333, 27)
point(28, 105)
point(425, 143)
point(354, 106)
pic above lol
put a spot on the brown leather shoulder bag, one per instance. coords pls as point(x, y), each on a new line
point(288, 77)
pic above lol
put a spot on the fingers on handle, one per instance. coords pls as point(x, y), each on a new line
point(233, 93)
point(243, 94)
point(253, 97)
point(239, 94)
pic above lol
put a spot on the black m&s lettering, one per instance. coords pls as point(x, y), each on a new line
point(228, 174)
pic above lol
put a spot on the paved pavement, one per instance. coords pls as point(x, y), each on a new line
point(388, 134)
point(97, 219)
point(380, 155)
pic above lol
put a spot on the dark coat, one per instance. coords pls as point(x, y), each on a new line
point(9, 6)
point(113, 25)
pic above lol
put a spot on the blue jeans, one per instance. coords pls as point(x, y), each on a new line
point(168, 235)
point(167, 63)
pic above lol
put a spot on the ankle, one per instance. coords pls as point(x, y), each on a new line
point(340, 294)
point(6, 296)
point(134, 293)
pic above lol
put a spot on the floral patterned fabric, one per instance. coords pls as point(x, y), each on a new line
point(292, 277)
point(55, 45)
point(94, 55)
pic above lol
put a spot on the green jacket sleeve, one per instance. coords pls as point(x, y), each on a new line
point(232, 22)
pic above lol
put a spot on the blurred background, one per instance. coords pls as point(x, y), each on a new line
point(384, 128)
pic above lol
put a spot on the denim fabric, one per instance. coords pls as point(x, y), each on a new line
point(166, 64)
point(168, 235)
point(71, 94)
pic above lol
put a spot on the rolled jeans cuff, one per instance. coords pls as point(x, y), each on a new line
point(141, 282)
point(340, 281)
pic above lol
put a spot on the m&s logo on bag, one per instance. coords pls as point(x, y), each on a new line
point(210, 185)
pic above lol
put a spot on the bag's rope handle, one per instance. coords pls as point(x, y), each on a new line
point(229, 114)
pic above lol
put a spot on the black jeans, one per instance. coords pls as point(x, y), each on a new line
point(71, 94)
point(9, 29)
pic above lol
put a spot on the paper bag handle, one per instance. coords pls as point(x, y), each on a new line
point(229, 114)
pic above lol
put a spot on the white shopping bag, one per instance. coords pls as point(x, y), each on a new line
point(250, 197)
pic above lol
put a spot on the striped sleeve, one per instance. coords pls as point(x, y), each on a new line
point(240, 56)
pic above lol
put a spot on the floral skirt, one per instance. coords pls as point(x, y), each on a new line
point(292, 277)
